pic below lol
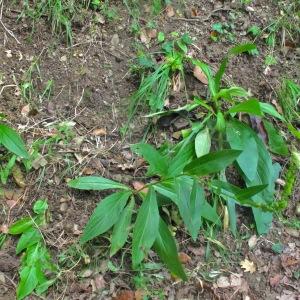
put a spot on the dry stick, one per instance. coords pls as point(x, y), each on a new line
point(5, 28)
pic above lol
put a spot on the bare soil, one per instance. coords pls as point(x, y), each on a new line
point(92, 84)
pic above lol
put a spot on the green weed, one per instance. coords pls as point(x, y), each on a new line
point(36, 261)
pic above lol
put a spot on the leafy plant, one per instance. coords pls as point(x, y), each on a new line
point(254, 163)
point(36, 260)
point(178, 178)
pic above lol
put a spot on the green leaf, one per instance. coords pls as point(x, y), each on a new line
point(160, 37)
point(12, 141)
point(266, 173)
point(254, 30)
point(270, 110)
point(40, 206)
point(270, 60)
point(243, 140)
point(190, 203)
point(208, 73)
point(28, 282)
point(121, 229)
point(95, 183)
point(242, 48)
point(145, 229)
point(158, 164)
point(106, 214)
point(202, 142)
point(165, 247)
point(276, 142)
point(218, 27)
point(28, 238)
point(250, 106)
point(220, 123)
point(182, 46)
point(21, 225)
point(231, 92)
point(212, 162)
point(41, 288)
point(4, 172)
point(220, 73)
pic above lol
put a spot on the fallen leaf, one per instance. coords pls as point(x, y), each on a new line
point(152, 33)
point(223, 282)
point(252, 241)
point(86, 273)
point(236, 280)
point(125, 295)
point(39, 162)
point(170, 11)
point(88, 171)
point(25, 110)
point(248, 266)
point(194, 12)
point(98, 283)
point(199, 74)
point(144, 37)
point(184, 258)
point(18, 176)
point(274, 281)
point(4, 228)
point(11, 203)
point(99, 132)
point(140, 186)
point(139, 294)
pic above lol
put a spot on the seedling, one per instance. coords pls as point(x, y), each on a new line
point(36, 260)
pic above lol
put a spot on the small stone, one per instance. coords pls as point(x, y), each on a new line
point(63, 58)
point(180, 123)
point(293, 232)
point(115, 40)
point(63, 207)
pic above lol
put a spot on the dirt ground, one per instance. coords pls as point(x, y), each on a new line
point(91, 86)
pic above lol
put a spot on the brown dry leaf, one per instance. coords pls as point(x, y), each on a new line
point(176, 82)
point(288, 261)
point(248, 266)
point(194, 12)
point(252, 241)
point(226, 219)
point(223, 282)
point(275, 280)
point(145, 39)
point(11, 203)
point(98, 283)
point(184, 258)
point(88, 171)
point(140, 186)
point(278, 107)
point(125, 295)
point(152, 33)
point(199, 74)
point(39, 162)
point(170, 11)
point(99, 132)
point(139, 294)
point(25, 110)
point(4, 228)
point(18, 176)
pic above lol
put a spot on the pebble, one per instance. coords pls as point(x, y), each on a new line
point(63, 207)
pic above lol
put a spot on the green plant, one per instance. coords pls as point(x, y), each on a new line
point(36, 260)
point(157, 77)
point(254, 164)
point(223, 30)
point(177, 178)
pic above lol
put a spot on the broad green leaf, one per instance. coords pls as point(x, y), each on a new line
point(208, 73)
point(266, 173)
point(244, 140)
point(12, 141)
point(160, 37)
point(6, 171)
point(220, 123)
point(269, 109)
point(158, 164)
point(28, 238)
point(220, 73)
point(106, 214)
point(212, 162)
point(231, 92)
point(242, 48)
point(184, 154)
point(41, 288)
point(190, 203)
point(276, 142)
point(145, 229)
point(28, 282)
point(165, 247)
point(95, 183)
point(202, 142)
point(121, 229)
point(21, 225)
point(40, 206)
point(250, 106)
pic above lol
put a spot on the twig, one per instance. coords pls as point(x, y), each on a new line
point(5, 28)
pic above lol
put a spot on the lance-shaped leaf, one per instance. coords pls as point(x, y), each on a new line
point(12, 141)
point(251, 106)
point(190, 202)
point(158, 164)
point(28, 281)
point(165, 247)
point(145, 229)
point(106, 214)
point(95, 183)
point(266, 172)
point(121, 229)
point(212, 162)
